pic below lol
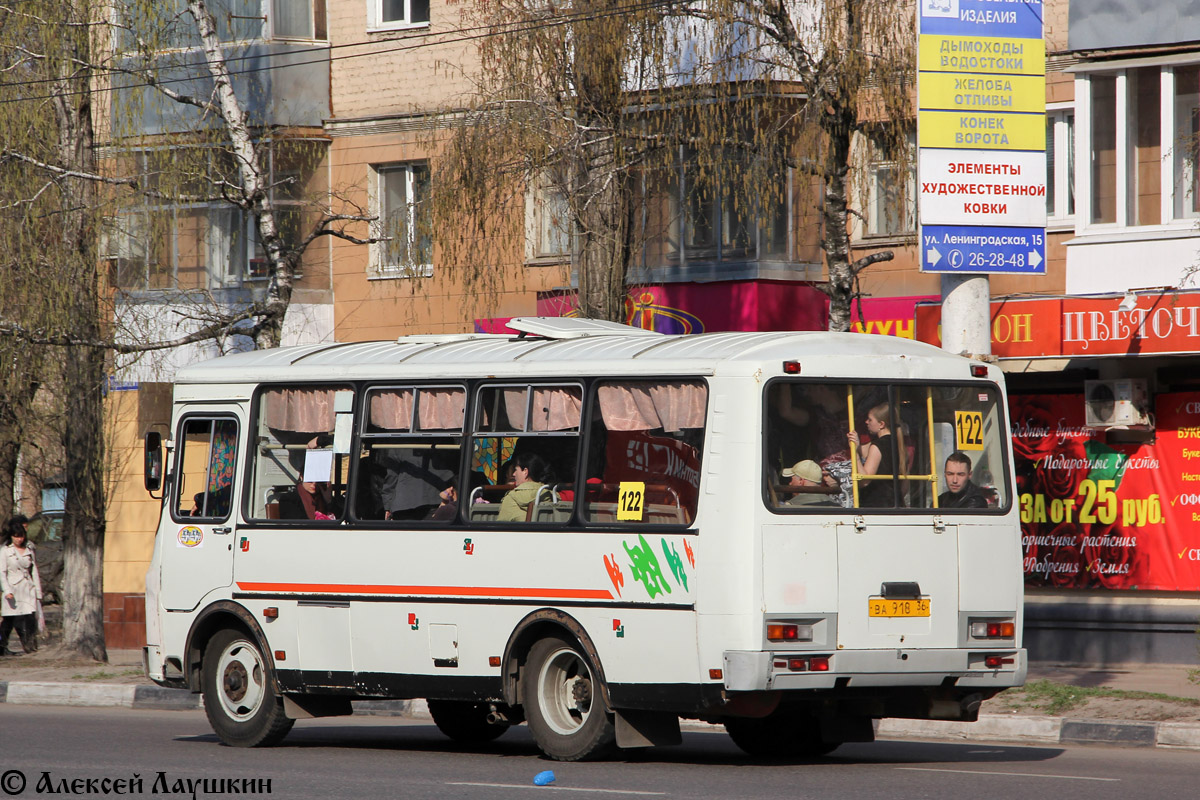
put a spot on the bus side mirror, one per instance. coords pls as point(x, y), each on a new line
point(153, 464)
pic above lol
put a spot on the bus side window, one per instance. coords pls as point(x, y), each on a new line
point(301, 459)
point(645, 444)
point(523, 454)
point(411, 452)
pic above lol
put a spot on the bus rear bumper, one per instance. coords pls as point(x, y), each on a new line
point(750, 670)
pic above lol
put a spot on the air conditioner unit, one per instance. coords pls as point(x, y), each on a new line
point(1121, 402)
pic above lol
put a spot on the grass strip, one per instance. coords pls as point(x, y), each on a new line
point(1055, 698)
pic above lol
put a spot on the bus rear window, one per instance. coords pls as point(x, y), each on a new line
point(880, 446)
point(644, 445)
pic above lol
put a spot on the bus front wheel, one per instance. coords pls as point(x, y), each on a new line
point(464, 721)
point(564, 703)
point(239, 693)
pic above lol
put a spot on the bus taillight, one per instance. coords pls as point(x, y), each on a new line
point(789, 632)
point(993, 629)
point(783, 633)
point(791, 368)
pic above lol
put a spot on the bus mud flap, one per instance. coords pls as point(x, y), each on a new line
point(307, 706)
point(646, 728)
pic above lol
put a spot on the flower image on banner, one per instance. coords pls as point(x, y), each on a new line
point(1095, 515)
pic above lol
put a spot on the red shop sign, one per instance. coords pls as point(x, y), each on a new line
point(1167, 322)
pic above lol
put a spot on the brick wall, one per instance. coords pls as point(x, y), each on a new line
point(124, 621)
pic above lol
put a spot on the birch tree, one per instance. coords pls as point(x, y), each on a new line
point(59, 60)
point(596, 97)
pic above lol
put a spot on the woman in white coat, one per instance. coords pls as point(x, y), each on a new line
point(20, 587)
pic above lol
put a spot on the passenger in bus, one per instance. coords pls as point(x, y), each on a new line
point(411, 481)
point(814, 428)
point(961, 491)
point(448, 510)
point(875, 458)
point(808, 475)
point(530, 474)
point(317, 499)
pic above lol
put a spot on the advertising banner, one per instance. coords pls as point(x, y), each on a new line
point(1056, 327)
point(1094, 515)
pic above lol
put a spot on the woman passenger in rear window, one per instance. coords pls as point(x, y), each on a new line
point(530, 473)
point(875, 458)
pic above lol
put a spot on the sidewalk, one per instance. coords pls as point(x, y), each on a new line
point(1017, 728)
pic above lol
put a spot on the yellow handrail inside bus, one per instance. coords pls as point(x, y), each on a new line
point(854, 476)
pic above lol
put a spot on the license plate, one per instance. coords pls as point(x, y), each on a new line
point(879, 607)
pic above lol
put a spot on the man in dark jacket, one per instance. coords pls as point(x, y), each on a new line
point(962, 492)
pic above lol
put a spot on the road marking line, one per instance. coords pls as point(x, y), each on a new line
point(1011, 774)
point(560, 788)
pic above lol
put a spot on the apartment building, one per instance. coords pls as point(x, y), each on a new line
point(1099, 351)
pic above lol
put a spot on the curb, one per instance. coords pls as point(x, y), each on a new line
point(990, 727)
point(1049, 730)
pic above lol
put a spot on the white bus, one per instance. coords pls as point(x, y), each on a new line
point(633, 538)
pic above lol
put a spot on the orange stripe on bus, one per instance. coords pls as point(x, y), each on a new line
point(472, 591)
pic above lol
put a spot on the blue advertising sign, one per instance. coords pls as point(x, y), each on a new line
point(957, 248)
point(1020, 19)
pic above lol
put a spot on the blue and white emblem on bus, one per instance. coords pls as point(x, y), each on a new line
point(191, 536)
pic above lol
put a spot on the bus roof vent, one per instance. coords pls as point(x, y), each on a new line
point(574, 327)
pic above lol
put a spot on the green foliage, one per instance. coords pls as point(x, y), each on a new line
point(604, 102)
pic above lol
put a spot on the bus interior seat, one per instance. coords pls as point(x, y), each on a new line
point(485, 501)
point(283, 502)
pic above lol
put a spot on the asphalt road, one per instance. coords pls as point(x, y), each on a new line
point(368, 757)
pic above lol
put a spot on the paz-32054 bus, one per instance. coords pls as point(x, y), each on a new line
point(593, 529)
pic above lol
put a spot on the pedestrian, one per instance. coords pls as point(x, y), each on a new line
point(20, 587)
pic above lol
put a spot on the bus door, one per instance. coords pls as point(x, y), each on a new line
point(897, 584)
point(197, 536)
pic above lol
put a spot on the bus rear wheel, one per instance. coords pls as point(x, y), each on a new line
point(785, 733)
point(464, 721)
point(239, 692)
point(564, 702)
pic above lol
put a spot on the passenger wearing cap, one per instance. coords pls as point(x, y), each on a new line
point(806, 474)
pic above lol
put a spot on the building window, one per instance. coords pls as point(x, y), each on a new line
point(1140, 132)
point(1186, 138)
point(1060, 163)
point(890, 204)
point(695, 216)
point(182, 237)
point(298, 19)
point(398, 13)
point(405, 246)
point(548, 220)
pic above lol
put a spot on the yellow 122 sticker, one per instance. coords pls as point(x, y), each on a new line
point(968, 430)
point(631, 501)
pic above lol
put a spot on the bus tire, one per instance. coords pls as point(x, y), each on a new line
point(239, 692)
point(785, 733)
point(564, 703)
point(464, 721)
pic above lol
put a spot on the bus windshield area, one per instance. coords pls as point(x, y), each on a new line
point(885, 446)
